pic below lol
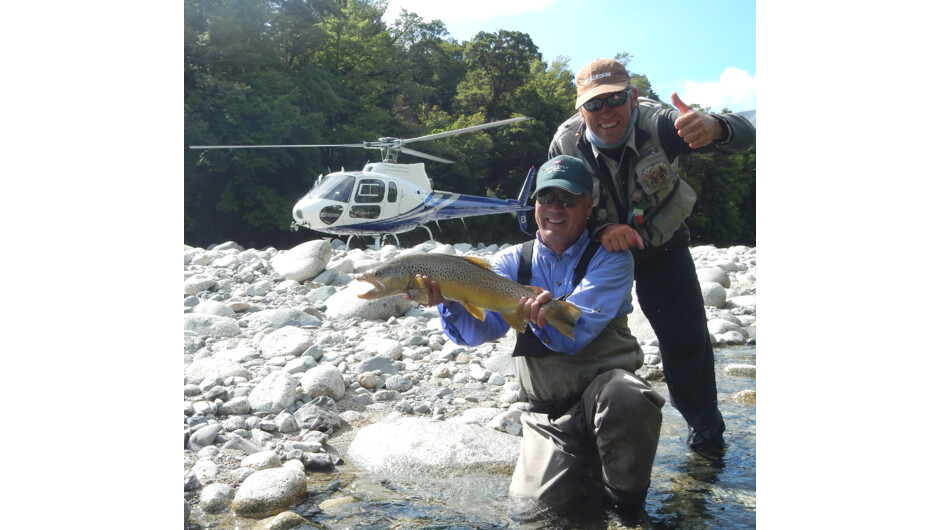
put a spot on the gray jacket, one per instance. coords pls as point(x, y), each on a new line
point(647, 193)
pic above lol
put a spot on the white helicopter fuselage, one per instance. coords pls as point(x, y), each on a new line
point(387, 198)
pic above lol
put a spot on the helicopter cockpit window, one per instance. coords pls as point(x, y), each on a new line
point(370, 191)
point(392, 192)
point(335, 187)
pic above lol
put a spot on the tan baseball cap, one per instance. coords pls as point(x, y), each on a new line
point(600, 76)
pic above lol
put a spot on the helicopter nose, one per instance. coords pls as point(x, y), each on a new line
point(317, 212)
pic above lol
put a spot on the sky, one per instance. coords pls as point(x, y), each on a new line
point(706, 52)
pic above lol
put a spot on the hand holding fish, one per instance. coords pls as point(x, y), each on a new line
point(433, 290)
point(533, 309)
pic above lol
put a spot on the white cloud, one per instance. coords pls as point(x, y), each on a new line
point(735, 90)
point(454, 11)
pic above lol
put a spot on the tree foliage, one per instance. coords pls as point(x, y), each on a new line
point(332, 72)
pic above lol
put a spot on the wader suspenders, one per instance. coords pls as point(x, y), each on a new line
point(527, 344)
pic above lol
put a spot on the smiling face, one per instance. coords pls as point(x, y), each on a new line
point(610, 124)
point(559, 225)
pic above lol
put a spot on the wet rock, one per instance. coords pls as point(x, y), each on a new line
point(286, 521)
point(269, 491)
point(748, 397)
point(741, 370)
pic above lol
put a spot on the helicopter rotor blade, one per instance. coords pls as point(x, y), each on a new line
point(424, 155)
point(264, 146)
point(465, 130)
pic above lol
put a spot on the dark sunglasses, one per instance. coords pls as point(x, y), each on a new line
point(613, 100)
point(546, 197)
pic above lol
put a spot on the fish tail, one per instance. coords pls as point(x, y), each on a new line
point(562, 316)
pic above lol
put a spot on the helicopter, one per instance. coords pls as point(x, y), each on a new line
point(388, 198)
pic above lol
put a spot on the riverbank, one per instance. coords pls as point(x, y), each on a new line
point(283, 366)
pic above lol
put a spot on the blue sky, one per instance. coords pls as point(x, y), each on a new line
point(704, 51)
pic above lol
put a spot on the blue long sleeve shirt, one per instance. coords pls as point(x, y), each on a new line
point(602, 295)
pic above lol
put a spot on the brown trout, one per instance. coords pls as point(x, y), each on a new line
point(469, 281)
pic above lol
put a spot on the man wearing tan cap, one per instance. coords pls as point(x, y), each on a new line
point(632, 146)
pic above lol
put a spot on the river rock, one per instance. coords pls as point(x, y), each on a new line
point(323, 380)
point(287, 340)
point(270, 491)
point(303, 261)
point(346, 305)
point(286, 521)
point(713, 275)
point(216, 497)
point(211, 307)
point(741, 370)
point(204, 436)
point(262, 460)
point(197, 284)
point(281, 317)
point(713, 294)
point(274, 393)
point(211, 325)
point(413, 446)
point(319, 415)
point(201, 368)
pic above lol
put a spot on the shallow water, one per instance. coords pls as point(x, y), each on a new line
point(686, 491)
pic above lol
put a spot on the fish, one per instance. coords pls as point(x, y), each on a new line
point(469, 281)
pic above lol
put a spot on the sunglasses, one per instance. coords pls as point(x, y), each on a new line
point(546, 197)
point(613, 100)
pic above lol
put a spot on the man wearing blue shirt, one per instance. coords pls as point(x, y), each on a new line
point(589, 413)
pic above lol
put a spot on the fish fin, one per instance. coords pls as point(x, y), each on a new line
point(474, 310)
point(514, 320)
point(562, 316)
point(479, 262)
point(418, 291)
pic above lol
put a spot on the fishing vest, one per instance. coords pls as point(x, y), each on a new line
point(553, 380)
point(648, 194)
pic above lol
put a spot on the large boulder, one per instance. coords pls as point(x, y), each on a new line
point(270, 491)
point(412, 446)
point(304, 261)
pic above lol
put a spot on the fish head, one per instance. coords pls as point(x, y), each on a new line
point(385, 281)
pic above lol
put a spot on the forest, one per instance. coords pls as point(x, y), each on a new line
point(282, 72)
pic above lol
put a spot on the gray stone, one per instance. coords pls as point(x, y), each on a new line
point(424, 446)
point(274, 393)
point(323, 380)
point(713, 294)
point(215, 498)
point(270, 491)
point(204, 436)
point(211, 325)
point(287, 340)
point(320, 414)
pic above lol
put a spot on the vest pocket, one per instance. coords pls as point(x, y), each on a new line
point(664, 222)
